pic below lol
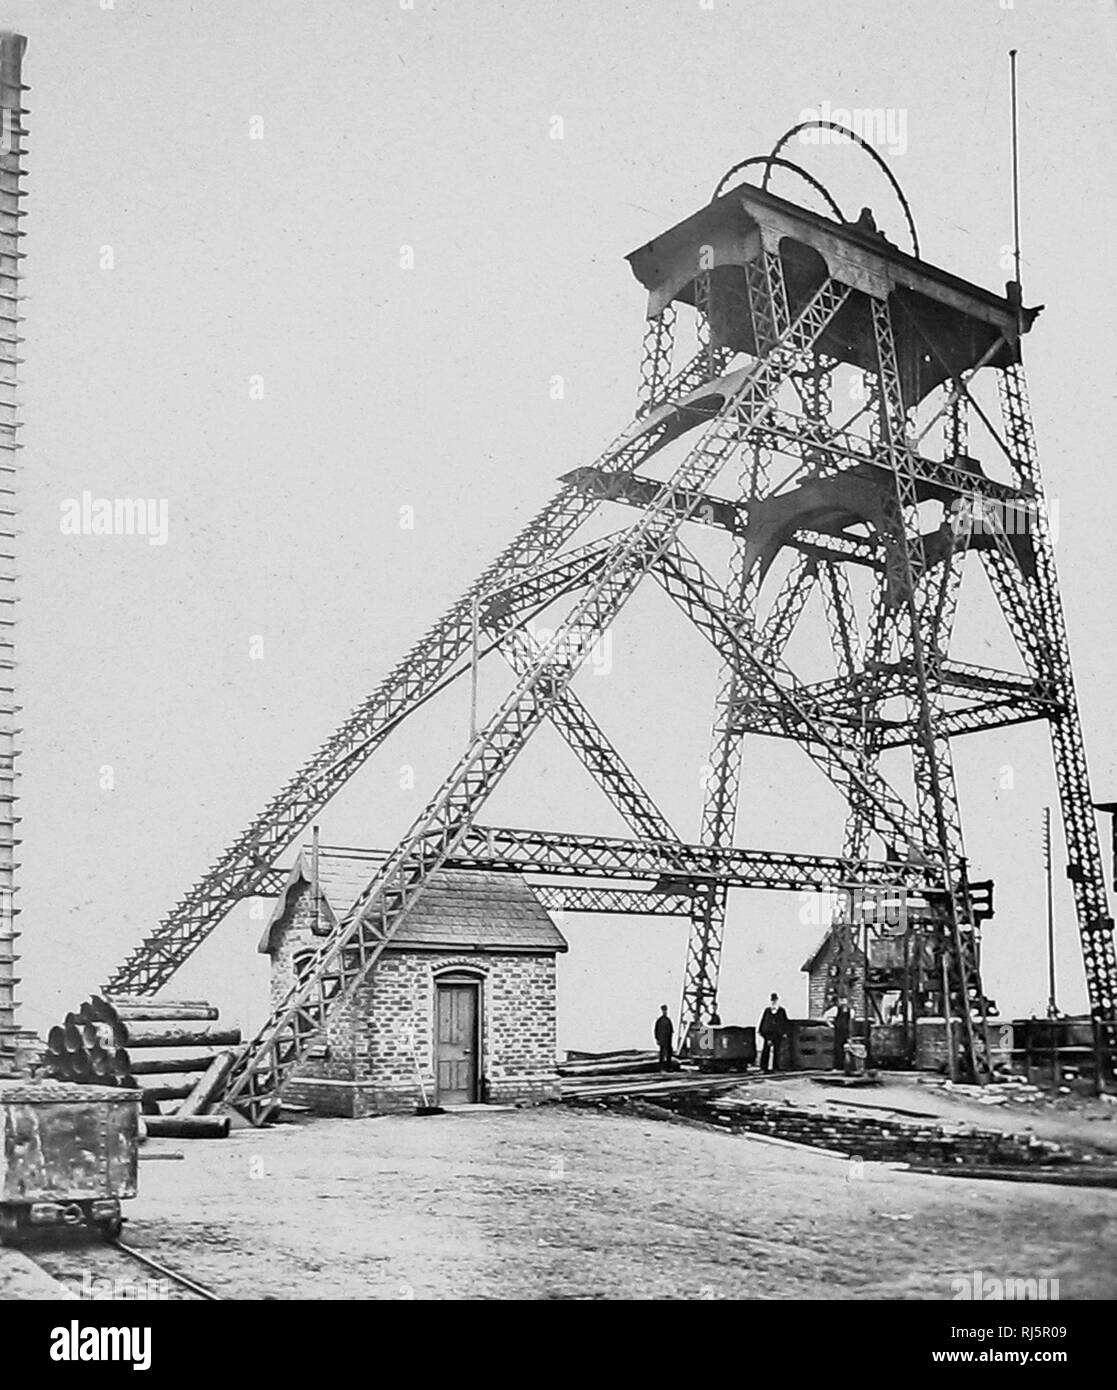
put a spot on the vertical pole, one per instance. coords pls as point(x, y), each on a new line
point(1052, 1007)
point(1056, 1063)
point(865, 991)
point(1016, 198)
point(474, 656)
point(314, 888)
point(1099, 1058)
point(1113, 842)
point(951, 1060)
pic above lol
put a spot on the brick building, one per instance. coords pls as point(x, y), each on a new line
point(817, 967)
point(460, 1008)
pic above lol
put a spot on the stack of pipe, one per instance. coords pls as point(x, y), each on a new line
point(89, 1047)
point(169, 1050)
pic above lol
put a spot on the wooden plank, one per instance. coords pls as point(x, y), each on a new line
point(648, 1085)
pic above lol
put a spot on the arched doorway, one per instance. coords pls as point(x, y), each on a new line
point(457, 1038)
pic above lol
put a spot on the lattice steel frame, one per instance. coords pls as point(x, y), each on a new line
point(739, 417)
point(353, 948)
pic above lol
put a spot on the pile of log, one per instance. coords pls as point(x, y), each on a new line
point(584, 1065)
point(172, 1051)
point(611, 1088)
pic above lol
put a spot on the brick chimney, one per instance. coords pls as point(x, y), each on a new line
point(12, 136)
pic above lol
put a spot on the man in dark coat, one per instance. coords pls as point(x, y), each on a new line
point(774, 1028)
point(664, 1036)
point(842, 1024)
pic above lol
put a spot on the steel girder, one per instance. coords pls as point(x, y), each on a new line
point(587, 740)
point(700, 979)
point(824, 741)
point(1050, 650)
point(936, 800)
point(844, 699)
point(766, 296)
point(241, 870)
point(357, 942)
point(841, 618)
point(772, 719)
point(855, 550)
point(627, 902)
point(826, 451)
point(787, 608)
point(537, 588)
point(633, 490)
point(655, 361)
point(867, 731)
point(535, 570)
point(672, 863)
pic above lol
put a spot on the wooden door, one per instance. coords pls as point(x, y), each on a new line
point(456, 1044)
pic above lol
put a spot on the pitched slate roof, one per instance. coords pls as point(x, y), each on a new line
point(461, 909)
point(809, 964)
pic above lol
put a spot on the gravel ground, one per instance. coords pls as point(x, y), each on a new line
point(564, 1203)
point(22, 1279)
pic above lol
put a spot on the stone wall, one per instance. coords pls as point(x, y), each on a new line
point(867, 1137)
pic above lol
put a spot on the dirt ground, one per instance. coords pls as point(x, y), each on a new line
point(558, 1202)
point(21, 1279)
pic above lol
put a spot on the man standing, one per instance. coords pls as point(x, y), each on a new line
point(774, 1028)
point(664, 1035)
point(842, 1030)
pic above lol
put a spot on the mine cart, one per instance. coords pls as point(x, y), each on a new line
point(69, 1156)
point(725, 1047)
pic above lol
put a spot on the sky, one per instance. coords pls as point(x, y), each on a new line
point(300, 274)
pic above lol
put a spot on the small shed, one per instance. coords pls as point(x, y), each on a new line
point(817, 969)
point(459, 1009)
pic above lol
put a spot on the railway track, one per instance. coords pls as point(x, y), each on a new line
point(116, 1271)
